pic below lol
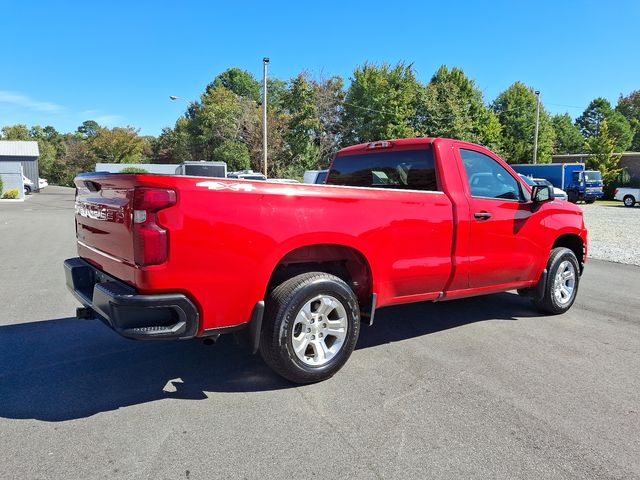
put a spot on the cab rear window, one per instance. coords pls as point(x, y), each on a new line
point(405, 169)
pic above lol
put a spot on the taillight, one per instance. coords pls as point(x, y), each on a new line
point(150, 239)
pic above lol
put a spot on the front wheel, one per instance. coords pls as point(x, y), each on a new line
point(589, 200)
point(311, 326)
point(629, 201)
point(563, 278)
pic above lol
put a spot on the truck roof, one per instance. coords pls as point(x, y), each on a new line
point(404, 142)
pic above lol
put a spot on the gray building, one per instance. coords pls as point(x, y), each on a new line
point(11, 176)
point(25, 153)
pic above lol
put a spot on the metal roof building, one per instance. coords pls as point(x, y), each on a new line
point(26, 153)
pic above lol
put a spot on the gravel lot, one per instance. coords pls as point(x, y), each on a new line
point(477, 388)
point(614, 232)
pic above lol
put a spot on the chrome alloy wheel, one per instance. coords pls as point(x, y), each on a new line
point(319, 330)
point(564, 283)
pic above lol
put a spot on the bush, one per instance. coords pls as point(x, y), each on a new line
point(13, 193)
point(0, 185)
point(133, 170)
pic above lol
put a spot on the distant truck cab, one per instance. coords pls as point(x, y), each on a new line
point(315, 176)
point(202, 169)
point(579, 183)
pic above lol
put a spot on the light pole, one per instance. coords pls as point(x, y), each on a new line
point(265, 61)
point(535, 135)
point(191, 103)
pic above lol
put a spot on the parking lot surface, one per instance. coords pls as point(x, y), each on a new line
point(476, 388)
point(614, 232)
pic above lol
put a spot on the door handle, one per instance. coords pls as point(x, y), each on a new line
point(482, 215)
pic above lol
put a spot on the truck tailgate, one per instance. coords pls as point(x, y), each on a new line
point(104, 219)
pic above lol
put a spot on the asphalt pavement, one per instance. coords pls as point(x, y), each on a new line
point(476, 388)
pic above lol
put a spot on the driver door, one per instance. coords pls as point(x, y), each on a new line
point(506, 236)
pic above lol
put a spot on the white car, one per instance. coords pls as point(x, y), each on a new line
point(628, 196)
point(557, 192)
point(42, 183)
point(28, 185)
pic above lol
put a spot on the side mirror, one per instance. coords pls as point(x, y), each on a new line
point(541, 194)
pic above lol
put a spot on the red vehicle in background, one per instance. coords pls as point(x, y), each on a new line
point(299, 266)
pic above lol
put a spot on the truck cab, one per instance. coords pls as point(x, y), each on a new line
point(585, 185)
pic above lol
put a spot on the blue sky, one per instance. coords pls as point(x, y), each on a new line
point(118, 62)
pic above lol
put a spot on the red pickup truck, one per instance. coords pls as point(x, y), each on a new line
point(299, 266)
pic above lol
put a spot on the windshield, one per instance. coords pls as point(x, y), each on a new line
point(592, 177)
point(322, 176)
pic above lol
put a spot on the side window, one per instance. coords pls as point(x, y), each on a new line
point(487, 178)
point(404, 169)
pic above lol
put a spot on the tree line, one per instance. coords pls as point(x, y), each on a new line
point(311, 118)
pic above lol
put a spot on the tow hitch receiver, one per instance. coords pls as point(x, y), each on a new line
point(84, 313)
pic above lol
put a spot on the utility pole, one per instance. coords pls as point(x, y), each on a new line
point(535, 135)
point(265, 61)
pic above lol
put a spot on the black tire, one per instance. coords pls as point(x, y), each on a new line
point(589, 200)
point(550, 303)
point(572, 197)
point(282, 308)
point(629, 201)
point(27, 190)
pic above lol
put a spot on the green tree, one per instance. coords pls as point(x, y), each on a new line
point(451, 105)
point(601, 148)
point(173, 144)
point(276, 88)
point(50, 147)
point(220, 115)
point(78, 157)
point(629, 106)
point(133, 170)
point(329, 97)
point(516, 110)
point(234, 153)
point(596, 112)
point(118, 145)
point(303, 123)
point(239, 81)
point(568, 136)
point(15, 132)
point(88, 129)
point(380, 103)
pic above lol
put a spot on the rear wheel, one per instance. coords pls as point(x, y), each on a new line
point(561, 287)
point(27, 190)
point(629, 201)
point(572, 197)
point(310, 328)
point(589, 200)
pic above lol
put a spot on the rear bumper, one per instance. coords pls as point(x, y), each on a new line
point(141, 317)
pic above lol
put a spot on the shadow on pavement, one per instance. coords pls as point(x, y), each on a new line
point(64, 369)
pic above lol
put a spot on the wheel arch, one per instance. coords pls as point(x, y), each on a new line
point(573, 242)
point(339, 259)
